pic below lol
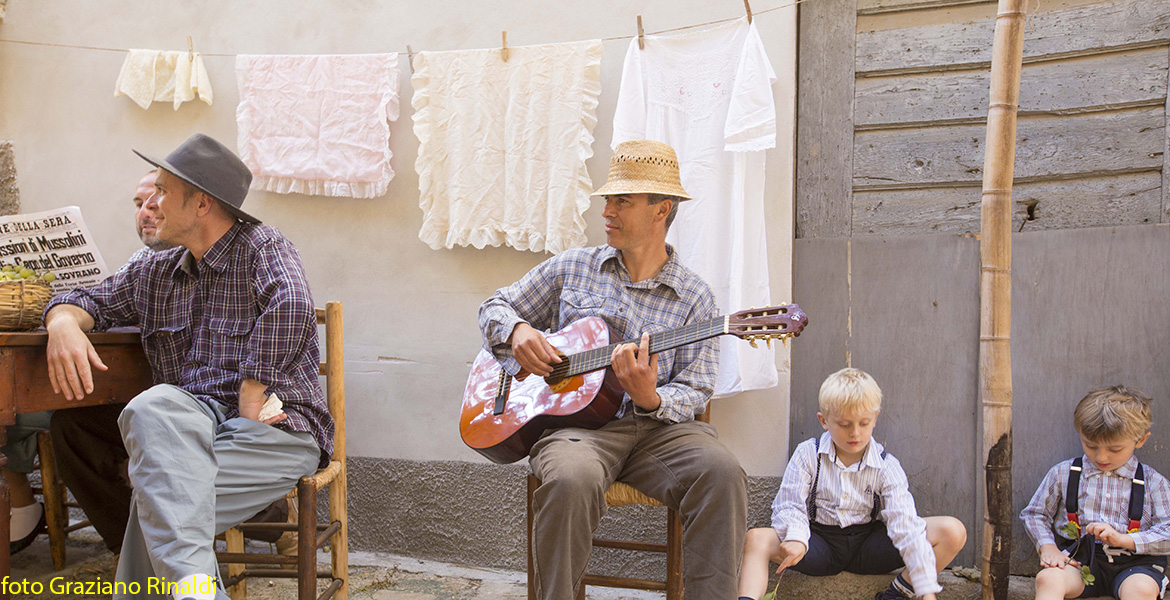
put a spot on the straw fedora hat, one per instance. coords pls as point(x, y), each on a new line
point(643, 167)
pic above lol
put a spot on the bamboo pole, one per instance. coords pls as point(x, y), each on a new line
point(995, 247)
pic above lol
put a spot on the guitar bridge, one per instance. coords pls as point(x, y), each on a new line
point(502, 389)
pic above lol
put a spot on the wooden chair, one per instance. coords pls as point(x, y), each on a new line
point(303, 566)
point(56, 505)
point(620, 494)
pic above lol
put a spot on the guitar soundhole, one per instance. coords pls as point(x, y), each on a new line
point(558, 375)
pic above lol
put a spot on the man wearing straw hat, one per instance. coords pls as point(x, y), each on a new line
point(637, 284)
point(228, 325)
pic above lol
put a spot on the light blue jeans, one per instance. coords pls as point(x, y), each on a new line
point(195, 474)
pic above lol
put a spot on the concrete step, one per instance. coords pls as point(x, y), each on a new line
point(848, 586)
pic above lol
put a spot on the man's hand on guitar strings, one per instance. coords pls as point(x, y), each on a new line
point(637, 371)
point(532, 351)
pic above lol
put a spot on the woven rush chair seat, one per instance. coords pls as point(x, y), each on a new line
point(311, 536)
point(620, 494)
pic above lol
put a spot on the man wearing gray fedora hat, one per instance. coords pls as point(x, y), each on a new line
point(638, 286)
point(228, 327)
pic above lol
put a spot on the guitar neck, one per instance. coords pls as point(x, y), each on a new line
point(600, 358)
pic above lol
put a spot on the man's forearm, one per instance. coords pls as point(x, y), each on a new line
point(253, 394)
point(65, 314)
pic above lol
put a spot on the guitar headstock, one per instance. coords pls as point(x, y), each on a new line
point(774, 322)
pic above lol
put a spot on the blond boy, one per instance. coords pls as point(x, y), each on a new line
point(1103, 510)
point(845, 505)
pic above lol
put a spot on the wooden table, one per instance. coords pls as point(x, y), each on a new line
point(25, 388)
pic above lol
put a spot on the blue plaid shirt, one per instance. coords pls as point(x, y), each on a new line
point(586, 282)
point(1103, 497)
point(242, 312)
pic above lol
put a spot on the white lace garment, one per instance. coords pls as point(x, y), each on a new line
point(503, 145)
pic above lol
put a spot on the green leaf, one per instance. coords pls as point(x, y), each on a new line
point(772, 594)
point(1086, 576)
point(1071, 530)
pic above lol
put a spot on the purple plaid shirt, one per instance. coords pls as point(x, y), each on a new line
point(243, 312)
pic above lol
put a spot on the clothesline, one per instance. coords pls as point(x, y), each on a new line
point(411, 54)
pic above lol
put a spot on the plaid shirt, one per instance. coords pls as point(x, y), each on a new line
point(845, 497)
point(586, 282)
point(1103, 497)
point(242, 312)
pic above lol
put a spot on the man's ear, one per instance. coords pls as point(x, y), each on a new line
point(206, 204)
point(664, 209)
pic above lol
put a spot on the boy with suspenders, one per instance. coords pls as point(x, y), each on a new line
point(1104, 510)
point(845, 505)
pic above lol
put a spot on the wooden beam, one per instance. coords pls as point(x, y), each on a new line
point(1125, 24)
point(1099, 201)
point(1119, 141)
point(825, 118)
point(1112, 81)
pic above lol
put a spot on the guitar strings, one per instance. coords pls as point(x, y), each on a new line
point(598, 358)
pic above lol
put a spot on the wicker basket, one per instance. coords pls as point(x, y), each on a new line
point(22, 302)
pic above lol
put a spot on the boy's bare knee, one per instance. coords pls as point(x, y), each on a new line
point(1048, 578)
point(761, 540)
point(947, 531)
point(1139, 587)
point(955, 531)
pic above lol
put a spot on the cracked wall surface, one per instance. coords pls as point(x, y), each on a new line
point(9, 193)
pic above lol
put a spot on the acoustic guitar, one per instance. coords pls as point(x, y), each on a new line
point(503, 417)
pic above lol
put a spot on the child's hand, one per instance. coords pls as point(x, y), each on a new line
point(1052, 558)
point(790, 552)
point(929, 597)
point(1110, 536)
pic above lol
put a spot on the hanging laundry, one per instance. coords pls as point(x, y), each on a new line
point(163, 76)
point(503, 145)
point(708, 93)
point(317, 125)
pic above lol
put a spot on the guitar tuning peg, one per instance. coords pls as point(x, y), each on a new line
point(752, 341)
point(768, 341)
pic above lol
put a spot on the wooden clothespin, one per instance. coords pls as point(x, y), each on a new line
point(190, 48)
point(504, 48)
point(748, 7)
point(641, 35)
point(410, 58)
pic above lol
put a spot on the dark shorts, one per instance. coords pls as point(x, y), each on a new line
point(865, 549)
point(1109, 575)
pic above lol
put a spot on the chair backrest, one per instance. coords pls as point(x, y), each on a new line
point(333, 368)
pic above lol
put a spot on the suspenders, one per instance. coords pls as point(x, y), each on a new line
point(1137, 495)
point(812, 497)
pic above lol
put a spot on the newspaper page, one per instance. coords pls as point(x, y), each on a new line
point(54, 240)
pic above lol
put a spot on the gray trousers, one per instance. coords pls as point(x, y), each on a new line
point(195, 474)
point(682, 465)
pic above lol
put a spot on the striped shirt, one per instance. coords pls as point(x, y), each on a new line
point(585, 282)
point(242, 312)
point(845, 497)
point(1103, 497)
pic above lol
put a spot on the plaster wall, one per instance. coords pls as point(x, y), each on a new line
point(410, 311)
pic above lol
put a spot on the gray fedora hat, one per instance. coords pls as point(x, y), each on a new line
point(213, 169)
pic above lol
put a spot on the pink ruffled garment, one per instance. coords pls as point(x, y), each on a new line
point(503, 145)
point(318, 125)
